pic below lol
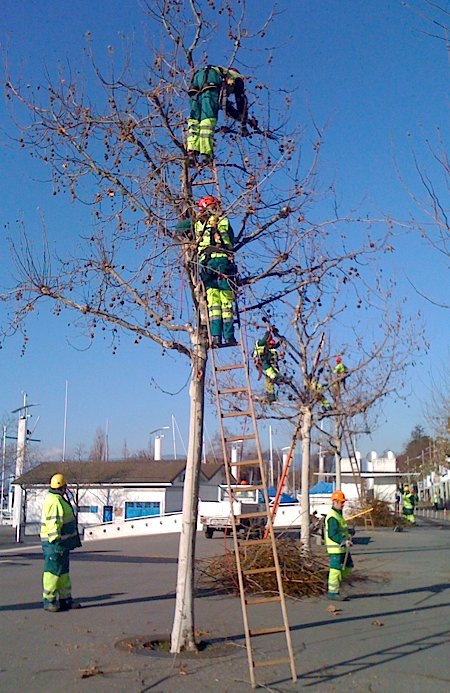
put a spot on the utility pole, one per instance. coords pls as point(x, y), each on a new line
point(271, 480)
point(337, 453)
point(321, 457)
point(22, 437)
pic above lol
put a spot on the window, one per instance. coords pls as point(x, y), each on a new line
point(88, 508)
point(141, 509)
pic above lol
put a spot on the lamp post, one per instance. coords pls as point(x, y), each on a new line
point(158, 438)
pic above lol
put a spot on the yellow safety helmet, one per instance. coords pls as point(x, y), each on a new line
point(57, 481)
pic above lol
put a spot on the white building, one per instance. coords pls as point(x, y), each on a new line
point(109, 491)
point(379, 475)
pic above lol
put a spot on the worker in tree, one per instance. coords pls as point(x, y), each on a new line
point(208, 93)
point(337, 542)
point(265, 358)
point(215, 239)
point(408, 503)
point(59, 536)
point(316, 389)
point(339, 376)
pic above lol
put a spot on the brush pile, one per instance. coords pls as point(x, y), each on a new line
point(381, 515)
point(303, 574)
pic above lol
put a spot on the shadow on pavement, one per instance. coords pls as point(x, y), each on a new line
point(92, 556)
point(355, 665)
point(434, 589)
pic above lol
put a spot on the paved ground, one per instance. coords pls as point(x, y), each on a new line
point(391, 637)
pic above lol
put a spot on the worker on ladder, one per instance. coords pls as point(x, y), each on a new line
point(265, 358)
point(339, 376)
point(337, 543)
point(208, 93)
point(215, 239)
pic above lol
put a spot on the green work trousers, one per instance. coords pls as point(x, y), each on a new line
point(216, 273)
point(56, 583)
point(336, 572)
point(202, 121)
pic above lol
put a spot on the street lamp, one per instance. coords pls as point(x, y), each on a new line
point(158, 437)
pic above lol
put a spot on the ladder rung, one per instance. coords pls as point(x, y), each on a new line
point(231, 391)
point(262, 600)
point(253, 542)
point(229, 414)
point(271, 662)
point(248, 516)
point(246, 463)
point(247, 487)
point(206, 181)
point(267, 631)
point(258, 571)
point(230, 367)
point(233, 439)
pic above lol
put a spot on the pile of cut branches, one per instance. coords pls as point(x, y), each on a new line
point(302, 574)
point(381, 515)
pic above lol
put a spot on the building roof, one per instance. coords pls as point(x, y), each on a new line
point(117, 472)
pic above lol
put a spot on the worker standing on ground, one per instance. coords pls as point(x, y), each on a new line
point(215, 240)
point(408, 502)
point(208, 93)
point(337, 543)
point(265, 358)
point(59, 536)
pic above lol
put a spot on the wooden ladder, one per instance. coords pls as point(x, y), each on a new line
point(235, 404)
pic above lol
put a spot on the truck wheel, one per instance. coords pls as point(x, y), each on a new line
point(209, 532)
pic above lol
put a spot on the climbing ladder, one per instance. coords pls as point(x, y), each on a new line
point(356, 473)
point(234, 404)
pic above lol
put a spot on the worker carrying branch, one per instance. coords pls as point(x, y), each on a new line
point(265, 358)
point(337, 542)
point(215, 239)
point(208, 93)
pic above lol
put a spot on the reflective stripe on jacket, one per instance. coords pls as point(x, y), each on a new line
point(408, 501)
point(334, 546)
point(58, 524)
point(217, 237)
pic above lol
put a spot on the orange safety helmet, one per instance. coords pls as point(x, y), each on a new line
point(207, 201)
point(338, 496)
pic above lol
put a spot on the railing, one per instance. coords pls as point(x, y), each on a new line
point(151, 524)
point(432, 513)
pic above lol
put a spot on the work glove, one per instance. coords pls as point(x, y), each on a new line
point(348, 543)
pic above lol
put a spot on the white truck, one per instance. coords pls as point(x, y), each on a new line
point(215, 516)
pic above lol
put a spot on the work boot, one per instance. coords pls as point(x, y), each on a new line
point(230, 342)
point(52, 607)
point(206, 159)
point(336, 597)
point(215, 342)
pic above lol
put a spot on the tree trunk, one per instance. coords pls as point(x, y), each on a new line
point(337, 453)
point(306, 453)
point(183, 638)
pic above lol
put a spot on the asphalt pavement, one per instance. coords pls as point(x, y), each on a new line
point(391, 637)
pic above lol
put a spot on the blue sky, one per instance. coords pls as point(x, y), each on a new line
point(365, 67)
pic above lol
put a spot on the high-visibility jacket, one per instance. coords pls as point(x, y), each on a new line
point(58, 523)
point(339, 369)
point(334, 545)
point(212, 236)
point(408, 502)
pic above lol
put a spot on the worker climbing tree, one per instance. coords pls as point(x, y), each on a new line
point(208, 93)
point(215, 240)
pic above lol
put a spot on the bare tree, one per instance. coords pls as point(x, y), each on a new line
point(115, 143)
point(346, 311)
point(98, 449)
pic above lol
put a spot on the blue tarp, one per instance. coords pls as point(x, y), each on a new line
point(284, 498)
point(321, 487)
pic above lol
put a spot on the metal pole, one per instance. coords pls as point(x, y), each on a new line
point(65, 425)
point(174, 439)
point(20, 463)
point(337, 453)
point(321, 457)
point(106, 441)
point(3, 474)
point(271, 481)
